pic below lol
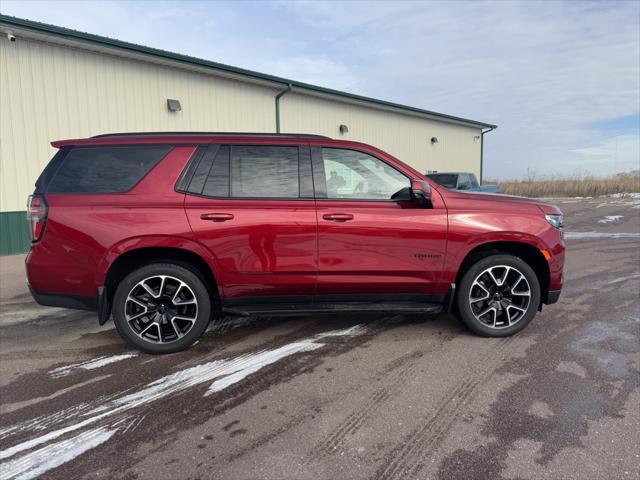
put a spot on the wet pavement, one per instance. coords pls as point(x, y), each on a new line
point(380, 397)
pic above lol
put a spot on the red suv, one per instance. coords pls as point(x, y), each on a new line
point(167, 231)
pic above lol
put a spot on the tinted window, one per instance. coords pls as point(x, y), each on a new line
point(217, 184)
point(463, 182)
point(357, 175)
point(264, 172)
point(105, 169)
point(448, 180)
point(474, 181)
point(202, 171)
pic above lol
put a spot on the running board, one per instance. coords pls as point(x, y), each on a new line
point(346, 307)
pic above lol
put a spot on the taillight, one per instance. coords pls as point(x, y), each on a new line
point(36, 216)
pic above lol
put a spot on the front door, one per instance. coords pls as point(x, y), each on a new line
point(253, 207)
point(369, 243)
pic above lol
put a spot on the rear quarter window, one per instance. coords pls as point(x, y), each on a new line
point(105, 169)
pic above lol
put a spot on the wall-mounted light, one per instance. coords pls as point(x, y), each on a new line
point(476, 138)
point(344, 129)
point(434, 140)
point(173, 105)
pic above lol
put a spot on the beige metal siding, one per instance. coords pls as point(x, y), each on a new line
point(406, 137)
point(51, 92)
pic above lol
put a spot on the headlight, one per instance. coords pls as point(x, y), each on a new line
point(556, 221)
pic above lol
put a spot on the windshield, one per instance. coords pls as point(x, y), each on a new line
point(448, 180)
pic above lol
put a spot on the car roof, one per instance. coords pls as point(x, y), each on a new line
point(184, 137)
point(195, 138)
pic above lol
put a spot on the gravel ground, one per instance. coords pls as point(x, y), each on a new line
point(381, 397)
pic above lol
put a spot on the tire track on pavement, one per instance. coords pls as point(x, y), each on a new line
point(358, 418)
point(406, 460)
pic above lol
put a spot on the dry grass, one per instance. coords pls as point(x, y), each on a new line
point(573, 187)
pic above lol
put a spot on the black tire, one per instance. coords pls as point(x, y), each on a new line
point(483, 327)
point(195, 289)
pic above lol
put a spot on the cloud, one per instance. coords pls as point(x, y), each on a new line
point(621, 153)
point(548, 73)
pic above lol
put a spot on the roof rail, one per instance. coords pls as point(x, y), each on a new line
point(211, 134)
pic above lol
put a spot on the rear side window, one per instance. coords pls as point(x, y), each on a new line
point(474, 181)
point(211, 176)
point(463, 182)
point(264, 172)
point(251, 171)
point(105, 169)
point(449, 180)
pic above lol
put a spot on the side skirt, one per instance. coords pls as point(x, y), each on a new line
point(403, 303)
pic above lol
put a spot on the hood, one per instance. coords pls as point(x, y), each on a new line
point(545, 207)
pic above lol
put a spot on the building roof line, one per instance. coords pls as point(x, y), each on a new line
point(76, 35)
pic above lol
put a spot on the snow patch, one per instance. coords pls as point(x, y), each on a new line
point(584, 235)
point(252, 363)
point(623, 279)
point(44, 459)
point(611, 219)
point(89, 364)
point(625, 195)
point(223, 373)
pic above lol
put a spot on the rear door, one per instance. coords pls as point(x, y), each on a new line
point(253, 207)
point(369, 243)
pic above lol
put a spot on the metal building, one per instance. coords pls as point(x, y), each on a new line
point(57, 83)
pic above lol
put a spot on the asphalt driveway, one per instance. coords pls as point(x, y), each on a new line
point(382, 397)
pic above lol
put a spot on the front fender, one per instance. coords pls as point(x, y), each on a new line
point(459, 249)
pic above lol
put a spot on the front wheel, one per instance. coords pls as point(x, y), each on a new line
point(161, 308)
point(498, 296)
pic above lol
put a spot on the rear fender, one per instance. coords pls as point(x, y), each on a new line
point(159, 241)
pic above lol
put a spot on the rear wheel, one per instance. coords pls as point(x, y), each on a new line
point(161, 308)
point(498, 296)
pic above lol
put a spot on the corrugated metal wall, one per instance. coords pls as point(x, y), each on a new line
point(49, 92)
point(52, 91)
point(406, 137)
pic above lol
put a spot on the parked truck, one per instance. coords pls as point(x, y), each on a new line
point(462, 181)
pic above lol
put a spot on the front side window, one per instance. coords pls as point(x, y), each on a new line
point(105, 169)
point(259, 171)
point(353, 175)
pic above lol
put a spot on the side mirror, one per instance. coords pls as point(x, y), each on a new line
point(421, 192)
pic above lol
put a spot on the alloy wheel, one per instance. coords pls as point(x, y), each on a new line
point(500, 296)
point(161, 309)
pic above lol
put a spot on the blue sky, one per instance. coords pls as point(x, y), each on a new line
point(561, 79)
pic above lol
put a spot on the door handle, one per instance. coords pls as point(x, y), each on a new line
point(217, 217)
point(338, 217)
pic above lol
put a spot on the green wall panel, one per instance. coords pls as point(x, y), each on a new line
point(14, 234)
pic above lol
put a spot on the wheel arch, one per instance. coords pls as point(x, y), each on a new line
point(125, 258)
point(531, 254)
